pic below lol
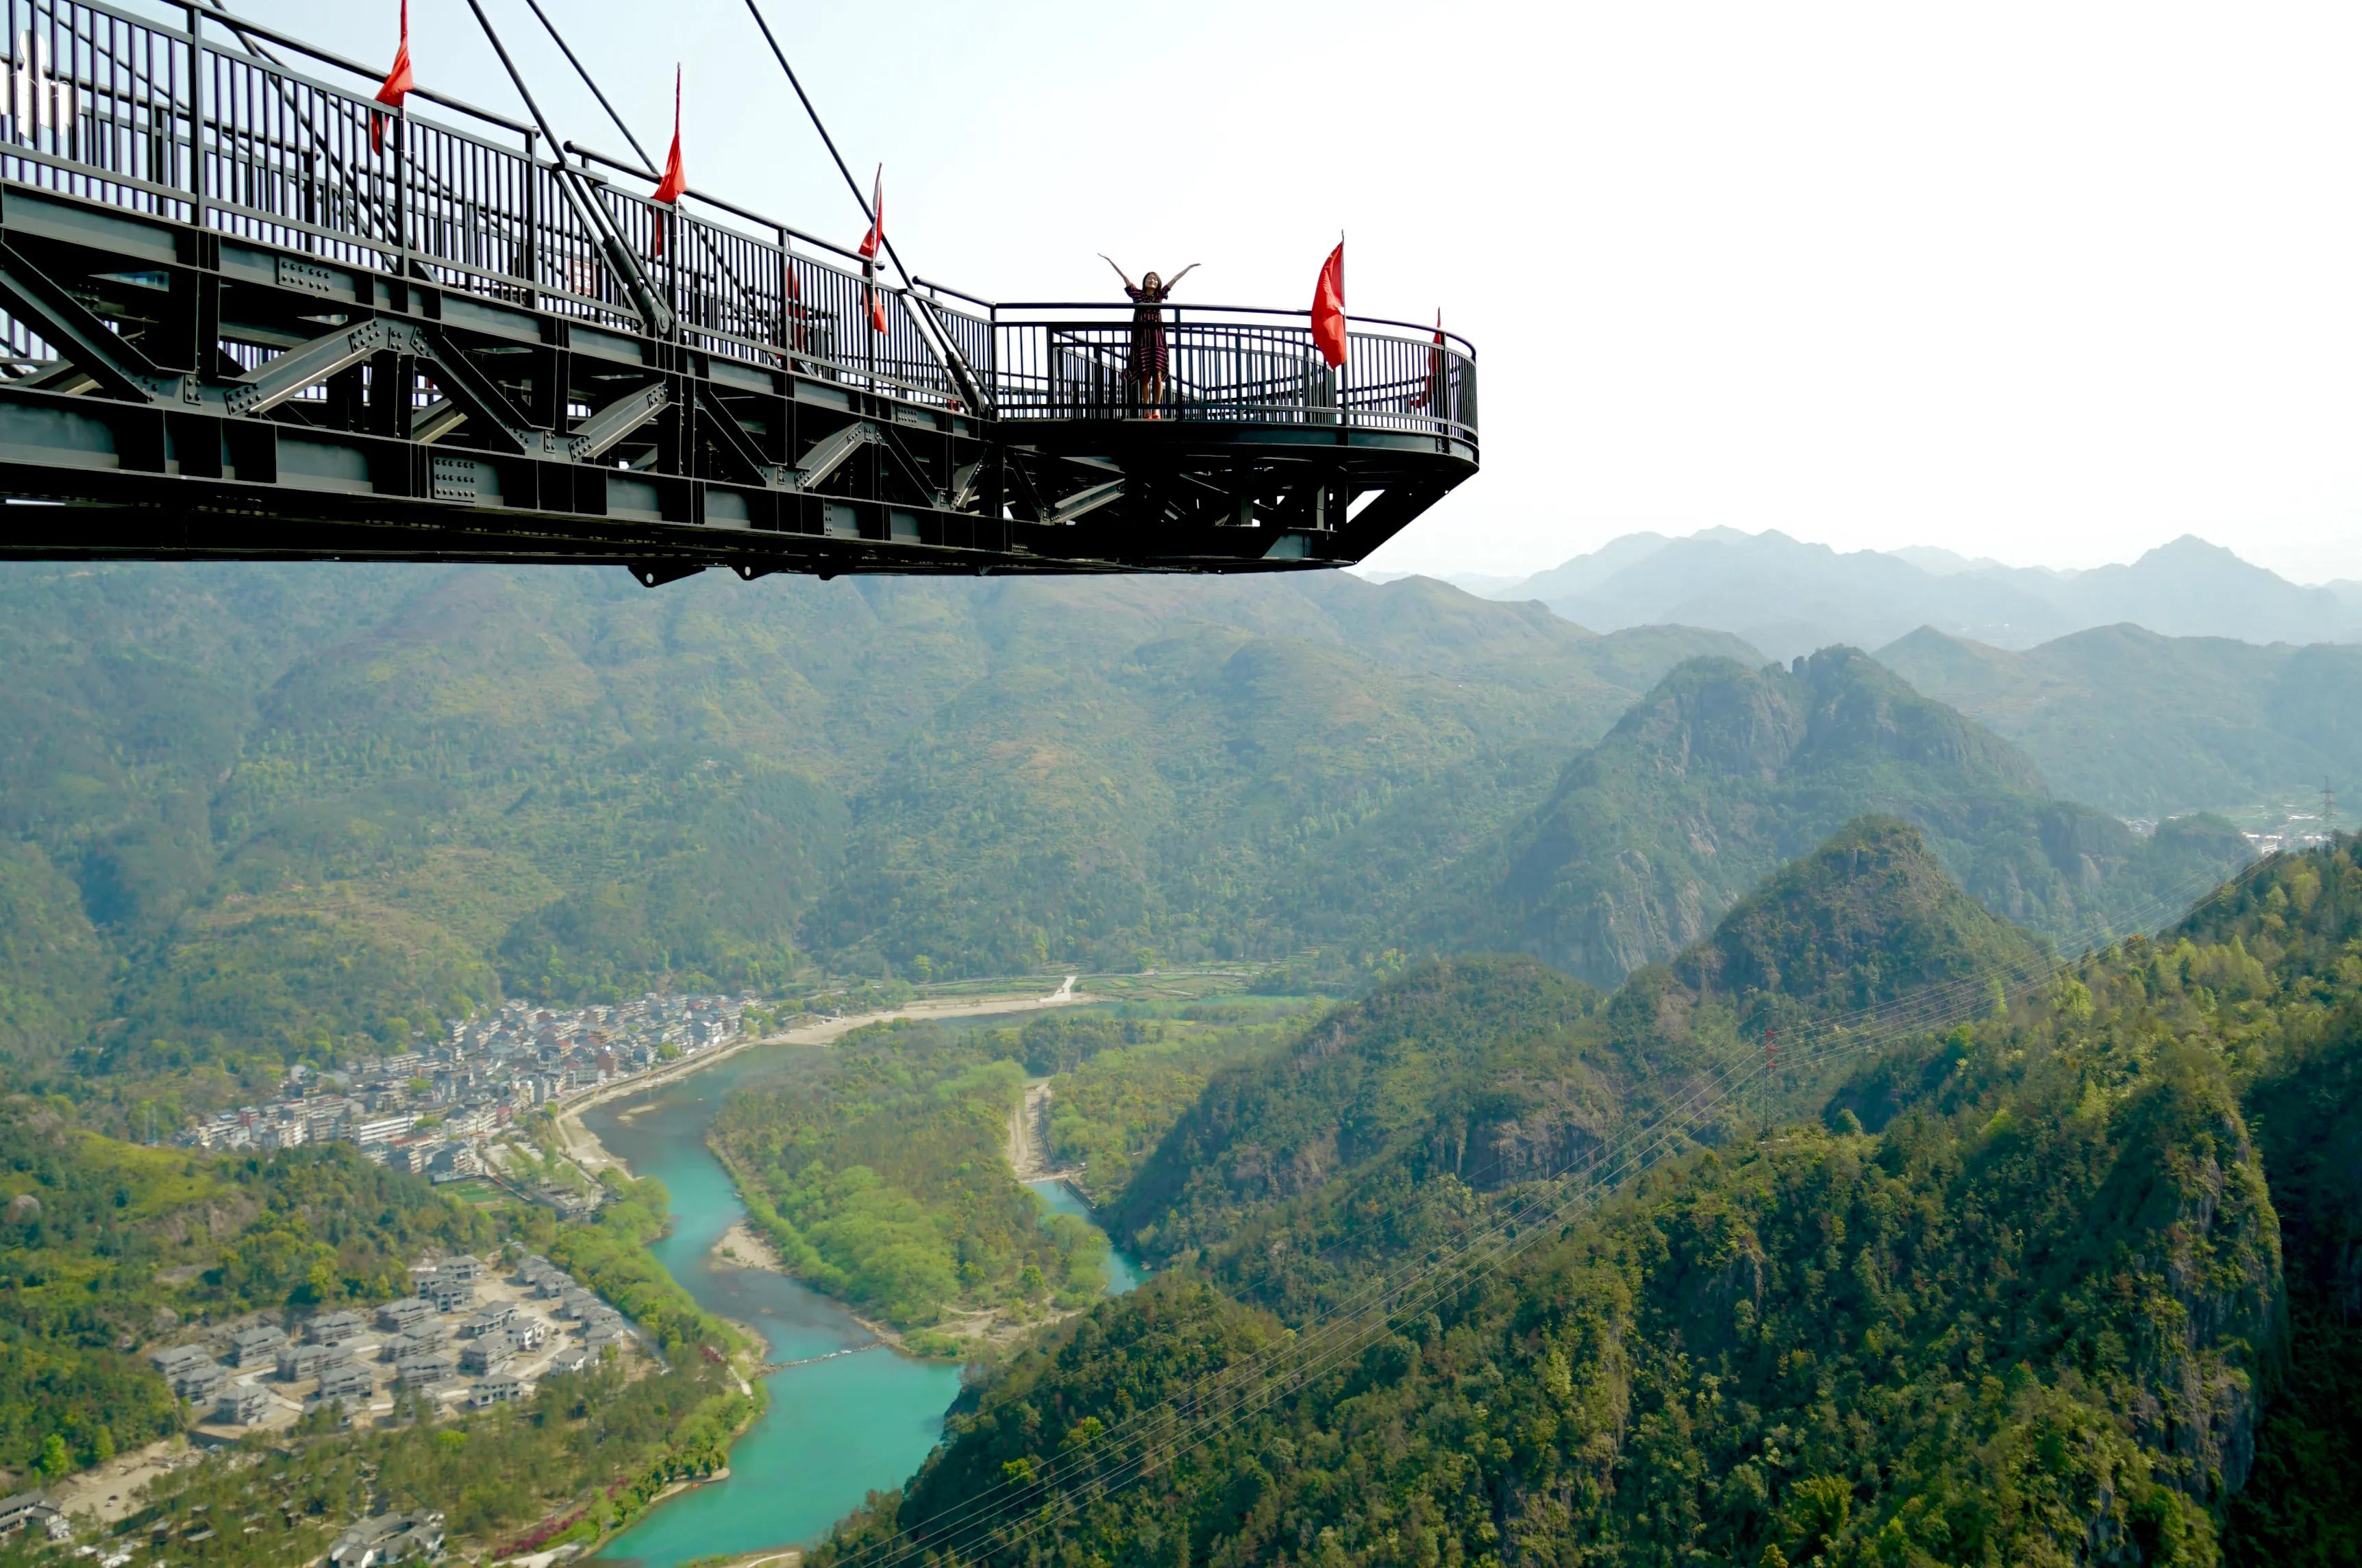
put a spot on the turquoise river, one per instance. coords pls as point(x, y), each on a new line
point(837, 1428)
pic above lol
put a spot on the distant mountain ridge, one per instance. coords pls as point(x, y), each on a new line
point(1725, 771)
point(2148, 726)
point(1788, 597)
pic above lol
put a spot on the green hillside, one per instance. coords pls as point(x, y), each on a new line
point(2149, 726)
point(1866, 919)
point(257, 814)
point(878, 1173)
point(1391, 1066)
point(2018, 1296)
point(1725, 772)
point(1391, 1126)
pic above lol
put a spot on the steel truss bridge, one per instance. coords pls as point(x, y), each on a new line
point(235, 328)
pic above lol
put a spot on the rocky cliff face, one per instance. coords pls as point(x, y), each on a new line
point(2210, 1255)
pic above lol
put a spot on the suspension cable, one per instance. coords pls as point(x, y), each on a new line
point(594, 216)
point(826, 140)
point(938, 342)
point(583, 71)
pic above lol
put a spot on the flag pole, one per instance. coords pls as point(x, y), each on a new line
point(1345, 326)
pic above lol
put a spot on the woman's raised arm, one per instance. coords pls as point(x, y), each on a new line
point(1119, 272)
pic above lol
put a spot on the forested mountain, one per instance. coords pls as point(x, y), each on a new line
point(1494, 1071)
point(2016, 1294)
point(2148, 725)
point(258, 812)
point(1787, 597)
point(1377, 1071)
point(271, 813)
point(1724, 772)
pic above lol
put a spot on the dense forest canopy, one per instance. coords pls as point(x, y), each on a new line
point(2069, 1281)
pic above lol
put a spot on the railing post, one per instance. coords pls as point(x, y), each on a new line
point(1344, 381)
point(529, 261)
point(196, 119)
point(784, 331)
point(402, 191)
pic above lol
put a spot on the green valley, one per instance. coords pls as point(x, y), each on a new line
point(878, 1169)
point(1854, 1185)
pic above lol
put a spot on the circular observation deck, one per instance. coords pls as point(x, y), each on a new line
point(1252, 432)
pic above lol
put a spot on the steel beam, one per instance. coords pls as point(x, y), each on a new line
point(597, 435)
point(115, 368)
point(293, 372)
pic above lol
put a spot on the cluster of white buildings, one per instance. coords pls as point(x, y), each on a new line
point(427, 1112)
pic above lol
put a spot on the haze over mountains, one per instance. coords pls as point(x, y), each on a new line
point(1787, 597)
point(262, 815)
point(2148, 725)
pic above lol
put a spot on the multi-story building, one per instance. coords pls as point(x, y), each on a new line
point(252, 1347)
point(242, 1404)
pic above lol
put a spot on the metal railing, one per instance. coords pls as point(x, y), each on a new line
point(207, 123)
point(1229, 364)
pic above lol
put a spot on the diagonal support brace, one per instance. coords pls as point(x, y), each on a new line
point(595, 436)
point(738, 449)
point(829, 452)
point(116, 368)
point(1085, 501)
point(479, 396)
point(287, 376)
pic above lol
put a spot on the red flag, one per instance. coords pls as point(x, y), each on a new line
point(869, 245)
point(876, 234)
point(676, 173)
point(1429, 393)
point(398, 83)
point(1329, 309)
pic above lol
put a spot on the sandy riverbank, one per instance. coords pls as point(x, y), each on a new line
point(742, 1246)
point(582, 1146)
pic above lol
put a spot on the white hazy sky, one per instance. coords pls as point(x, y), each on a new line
point(2053, 282)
